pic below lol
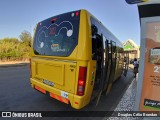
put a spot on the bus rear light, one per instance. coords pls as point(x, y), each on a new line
point(76, 103)
point(39, 24)
point(81, 80)
point(72, 14)
point(53, 20)
point(77, 13)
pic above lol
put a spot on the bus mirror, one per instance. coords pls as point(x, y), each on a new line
point(94, 30)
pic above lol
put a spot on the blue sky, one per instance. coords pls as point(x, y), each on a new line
point(19, 15)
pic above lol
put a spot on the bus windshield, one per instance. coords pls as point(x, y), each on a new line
point(58, 35)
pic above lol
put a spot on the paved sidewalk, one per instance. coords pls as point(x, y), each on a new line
point(127, 104)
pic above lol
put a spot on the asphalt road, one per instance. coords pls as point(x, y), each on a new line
point(16, 94)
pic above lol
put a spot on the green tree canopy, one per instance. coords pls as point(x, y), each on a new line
point(14, 49)
point(26, 37)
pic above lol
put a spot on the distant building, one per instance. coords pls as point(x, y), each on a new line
point(133, 49)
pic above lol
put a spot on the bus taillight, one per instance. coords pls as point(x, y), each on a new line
point(81, 80)
point(77, 13)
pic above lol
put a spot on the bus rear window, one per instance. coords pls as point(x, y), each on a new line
point(58, 35)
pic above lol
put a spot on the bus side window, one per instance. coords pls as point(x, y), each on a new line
point(94, 47)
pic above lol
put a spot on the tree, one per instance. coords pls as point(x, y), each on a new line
point(26, 37)
point(14, 49)
point(8, 48)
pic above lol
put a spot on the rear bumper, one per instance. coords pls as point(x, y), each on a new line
point(76, 102)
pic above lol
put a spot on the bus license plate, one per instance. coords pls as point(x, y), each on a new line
point(64, 94)
point(48, 83)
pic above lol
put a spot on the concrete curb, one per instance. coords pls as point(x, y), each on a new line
point(14, 65)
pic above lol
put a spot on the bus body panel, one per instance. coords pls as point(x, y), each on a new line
point(84, 57)
point(84, 43)
point(60, 73)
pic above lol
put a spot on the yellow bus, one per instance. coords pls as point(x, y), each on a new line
point(74, 58)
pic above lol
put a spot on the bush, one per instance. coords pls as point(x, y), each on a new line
point(14, 49)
